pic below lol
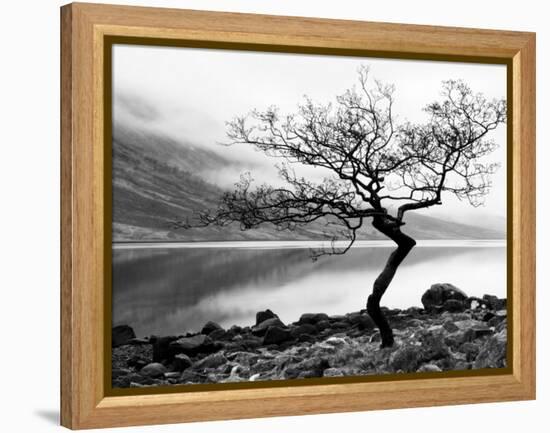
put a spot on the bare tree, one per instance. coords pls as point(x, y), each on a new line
point(376, 169)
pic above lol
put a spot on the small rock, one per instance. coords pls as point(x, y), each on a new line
point(234, 375)
point(391, 312)
point(262, 316)
point(453, 340)
point(118, 372)
point(189, 376)
point(211, 361)
point(312, 367)
point(463, 365)
point(450, 326)
point(335, 341)
point(210, 327)
point(406, 359)
point(139, 378)
point(474, 303)
point(375, 338)
point(362, 321)
point(502, 326)
point(276, 335)
point(434, 346)
point(475, 332)
point(446, 364)
point(121, 382)
point(309, 374)
point(428, 368)
point(413, 311)
point(265, 365)
point(488, 316)
point(414, 323)
point(333, 372)
point(495, 321)
point(121, 335)
point(493, 352)
point(495, 303)
point(139, 341)
point(470, 323)
point(154, 370)
point(470, 349)
point(137, 362)
point(181, 362)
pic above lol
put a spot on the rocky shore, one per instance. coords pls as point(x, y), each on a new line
point(451, 332)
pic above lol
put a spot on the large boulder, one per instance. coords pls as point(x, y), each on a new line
point(210, 327)
point(276, 335)
point(312, 318)
point(192, 345)
point(262, 327)
point(435, 297)
point(154, 370)
point(121, 335)
point(262, 316)
point(453, 306)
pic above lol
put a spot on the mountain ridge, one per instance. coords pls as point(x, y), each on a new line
point(158, 180)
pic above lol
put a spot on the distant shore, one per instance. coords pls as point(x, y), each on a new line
point(307, 244)
point(452, 332)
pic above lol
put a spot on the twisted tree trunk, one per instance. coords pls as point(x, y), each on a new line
point(404, 245)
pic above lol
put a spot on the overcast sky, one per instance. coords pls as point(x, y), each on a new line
point(191, 93)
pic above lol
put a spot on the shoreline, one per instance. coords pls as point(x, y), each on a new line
point(422, 243)
point(451, 332)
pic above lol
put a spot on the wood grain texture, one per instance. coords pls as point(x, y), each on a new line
point(67, 389)
point(83, 232)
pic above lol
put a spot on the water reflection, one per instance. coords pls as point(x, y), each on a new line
point(172, 290)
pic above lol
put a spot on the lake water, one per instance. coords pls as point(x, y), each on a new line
point(169, 288)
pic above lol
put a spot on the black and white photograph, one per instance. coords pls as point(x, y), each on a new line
point(280, 216)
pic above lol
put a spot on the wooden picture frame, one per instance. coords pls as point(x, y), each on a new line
point(85, 219)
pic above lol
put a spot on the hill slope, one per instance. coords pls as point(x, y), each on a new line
point(157, 180)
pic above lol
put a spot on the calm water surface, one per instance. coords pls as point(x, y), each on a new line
point(170, 289)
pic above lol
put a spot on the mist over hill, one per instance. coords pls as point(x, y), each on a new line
point(158, 180)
